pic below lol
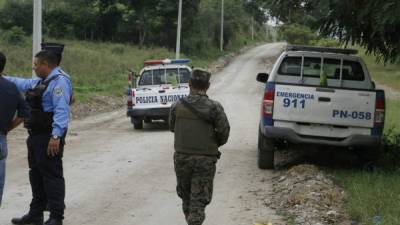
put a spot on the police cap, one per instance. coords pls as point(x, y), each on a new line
point(201, 75)
point(56, 48)
point(53, 47)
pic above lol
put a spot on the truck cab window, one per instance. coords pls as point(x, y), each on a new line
point(146, 78)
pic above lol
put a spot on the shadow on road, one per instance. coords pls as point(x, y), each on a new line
point(325, 156)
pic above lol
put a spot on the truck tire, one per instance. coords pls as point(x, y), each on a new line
point(368, 154)
point(137, 123)
point(266, 152)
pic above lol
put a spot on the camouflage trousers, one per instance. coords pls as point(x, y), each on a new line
point(195, 176)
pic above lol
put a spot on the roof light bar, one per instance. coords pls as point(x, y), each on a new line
point(166, 61)
point(153, 62)
point(346, 51)
point(180, 61)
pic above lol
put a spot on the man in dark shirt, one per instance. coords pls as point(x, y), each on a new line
point(11, 102)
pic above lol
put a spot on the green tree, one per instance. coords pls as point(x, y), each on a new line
point(372, 24)
point(16, 13)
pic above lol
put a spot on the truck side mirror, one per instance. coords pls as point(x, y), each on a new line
point(262, 77)
point(373, 84)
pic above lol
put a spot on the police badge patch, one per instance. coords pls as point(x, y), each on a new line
point(57, 91)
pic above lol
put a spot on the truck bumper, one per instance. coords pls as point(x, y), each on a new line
point(154, 113)
point(356, 140)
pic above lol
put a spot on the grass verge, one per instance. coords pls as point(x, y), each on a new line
point(372, 195)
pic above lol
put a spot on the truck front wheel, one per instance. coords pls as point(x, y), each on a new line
point(266, 152)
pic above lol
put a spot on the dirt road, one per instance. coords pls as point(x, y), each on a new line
point(117, 175)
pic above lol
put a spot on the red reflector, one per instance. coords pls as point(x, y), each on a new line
point(380, 104)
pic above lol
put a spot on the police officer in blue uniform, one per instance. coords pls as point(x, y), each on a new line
point(49, 97)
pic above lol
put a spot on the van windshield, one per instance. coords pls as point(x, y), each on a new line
point(165, 76)
point(351, 70)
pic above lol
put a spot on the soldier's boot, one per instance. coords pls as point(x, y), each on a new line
point(28, 219)
point(53, 221)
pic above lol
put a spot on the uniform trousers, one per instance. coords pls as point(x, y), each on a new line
point(46, 177)
point(195, 176)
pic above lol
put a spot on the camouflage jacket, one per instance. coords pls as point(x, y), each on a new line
point(193, 134)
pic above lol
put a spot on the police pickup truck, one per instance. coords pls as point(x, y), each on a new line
point(319, 96)
point(152, 92)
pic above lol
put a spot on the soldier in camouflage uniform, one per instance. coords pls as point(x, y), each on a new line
point(200, 126)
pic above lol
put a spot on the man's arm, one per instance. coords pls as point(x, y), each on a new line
point(61, 96)
point(172, 117)
point(23, 84)
point(222, 127)
point(16, 122)
point(22, 111)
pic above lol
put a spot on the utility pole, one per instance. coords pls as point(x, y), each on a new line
point(178, 36)
point(252, 28)
point(37, 28)
point(221, 44)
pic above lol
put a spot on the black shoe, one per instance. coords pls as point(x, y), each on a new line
point(53, 221)
point(28, 220)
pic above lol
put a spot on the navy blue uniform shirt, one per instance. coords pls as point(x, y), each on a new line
point(11, 102)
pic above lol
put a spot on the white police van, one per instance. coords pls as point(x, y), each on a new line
point(321, 96)
point(152, 92)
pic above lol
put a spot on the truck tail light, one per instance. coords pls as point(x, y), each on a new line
point(267, 109)
point(379, 120)
point(129, 103)
point(380, 108)
point(131, 98)
point(268, 101)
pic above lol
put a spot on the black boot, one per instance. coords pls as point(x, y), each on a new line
point(53, 221)
point(29, 220)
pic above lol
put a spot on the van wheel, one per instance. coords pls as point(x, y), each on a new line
point(137, 123)
point(266, 152)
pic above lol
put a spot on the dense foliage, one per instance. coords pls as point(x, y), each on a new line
point(142, 22)
point(372, 24)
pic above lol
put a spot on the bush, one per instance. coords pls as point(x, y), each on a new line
point(297, 34)
point(14, 36)
point(390, 152)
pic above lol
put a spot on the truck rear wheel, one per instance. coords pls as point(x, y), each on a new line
point(137, 123)
point(370, 155)
point(147, 120)
point(266, 152)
